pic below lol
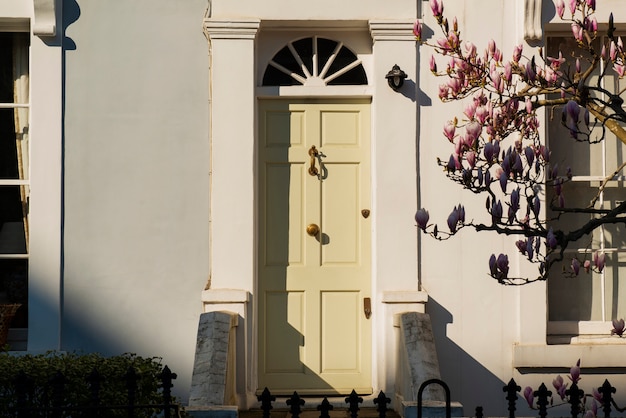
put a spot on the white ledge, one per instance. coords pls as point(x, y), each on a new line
point(392, 30)
point(215, 296)
point(592, 355)
point(409, 296)
point(231, 29)
point(45, 17)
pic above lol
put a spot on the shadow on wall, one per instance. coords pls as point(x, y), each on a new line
point(470, 382)
point(71, 13)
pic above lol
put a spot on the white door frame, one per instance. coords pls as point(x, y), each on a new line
point(234, 95)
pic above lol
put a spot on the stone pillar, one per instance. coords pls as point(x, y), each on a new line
point(394, 163)
point(233, 132)
point(233, 188)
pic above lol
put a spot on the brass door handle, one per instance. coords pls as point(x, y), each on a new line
point(312, 230)
point(313, 153)
point(367, 307)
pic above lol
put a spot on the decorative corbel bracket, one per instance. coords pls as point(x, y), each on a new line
point(45, 17)
point(532, 20)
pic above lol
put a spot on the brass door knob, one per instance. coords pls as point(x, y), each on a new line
point(312, 230)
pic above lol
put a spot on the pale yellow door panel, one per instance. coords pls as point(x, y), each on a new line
point(313, 333)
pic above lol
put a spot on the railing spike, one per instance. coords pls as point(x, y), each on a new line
point(353, 401)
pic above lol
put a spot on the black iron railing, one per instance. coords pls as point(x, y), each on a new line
point(540, 400)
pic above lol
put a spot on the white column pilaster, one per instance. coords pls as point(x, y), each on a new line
point(233, 180)
point(395, 185)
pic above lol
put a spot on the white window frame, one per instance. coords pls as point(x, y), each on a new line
point(40, 18)
point(584, 331)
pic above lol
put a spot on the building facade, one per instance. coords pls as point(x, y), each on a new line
point(185, 157)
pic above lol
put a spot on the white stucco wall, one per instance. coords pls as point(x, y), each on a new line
point(136, 179)
point(475, 320)
point(483, 329)
point(136, 187)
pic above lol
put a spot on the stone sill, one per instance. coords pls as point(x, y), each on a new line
point(596, 355)
point(405, 297)
point(225, 296)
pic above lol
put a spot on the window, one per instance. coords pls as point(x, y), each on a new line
point(585, 305)
point(14, 173)
point(314, 61)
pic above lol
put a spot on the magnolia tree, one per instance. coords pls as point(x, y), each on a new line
point(496, 146)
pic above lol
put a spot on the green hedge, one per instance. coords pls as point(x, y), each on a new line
point(75, 368)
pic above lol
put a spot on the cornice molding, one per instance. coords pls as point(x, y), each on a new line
point(231, 29)
point(532, 20)
point(45, 17)
point(392, 30)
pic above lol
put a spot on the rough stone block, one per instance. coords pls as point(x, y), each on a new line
point(210, 371)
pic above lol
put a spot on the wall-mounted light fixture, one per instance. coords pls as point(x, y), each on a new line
point(395, 77)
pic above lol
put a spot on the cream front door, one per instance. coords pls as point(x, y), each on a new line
point(314, 280)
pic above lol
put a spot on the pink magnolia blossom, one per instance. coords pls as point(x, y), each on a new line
point(471, 158)
point(591, 4)
point(587, 266)
point(421, 217)
point(577, 31)
point(572, 6)
point(470, 109)
point(449, 130)
point(619, 327)
point(455, 86)
point(592, 25)
point(574, 372)
point(560, 8)
point(503, 264)
point(613, 51)
point(620, 69)
point(560, 386)
point(551, 240)
point(517, 53)
point(433, 64)
point(556, 62)
point(443, 91)
point(417, 30)
point(528, 395)
point(436, 6)
point(508, 72)
point(599, 260)
point(575, 266)
point(491, 47)
point(470, 48)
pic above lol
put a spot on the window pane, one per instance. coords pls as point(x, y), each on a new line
point(574, 298)
point(8, 146)
point(6, 69)
point(12, 226)
point(14, 288)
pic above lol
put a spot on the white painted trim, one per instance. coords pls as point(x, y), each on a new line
point(213, 296)
point(46, 128)
point(409, 296)
point(601, 355)
point(532, 20)
point(392, 30)
point(232, 29)
point(341, 92)
point(45, 17)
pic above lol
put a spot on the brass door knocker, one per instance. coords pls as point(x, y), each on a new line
point(313, 153)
